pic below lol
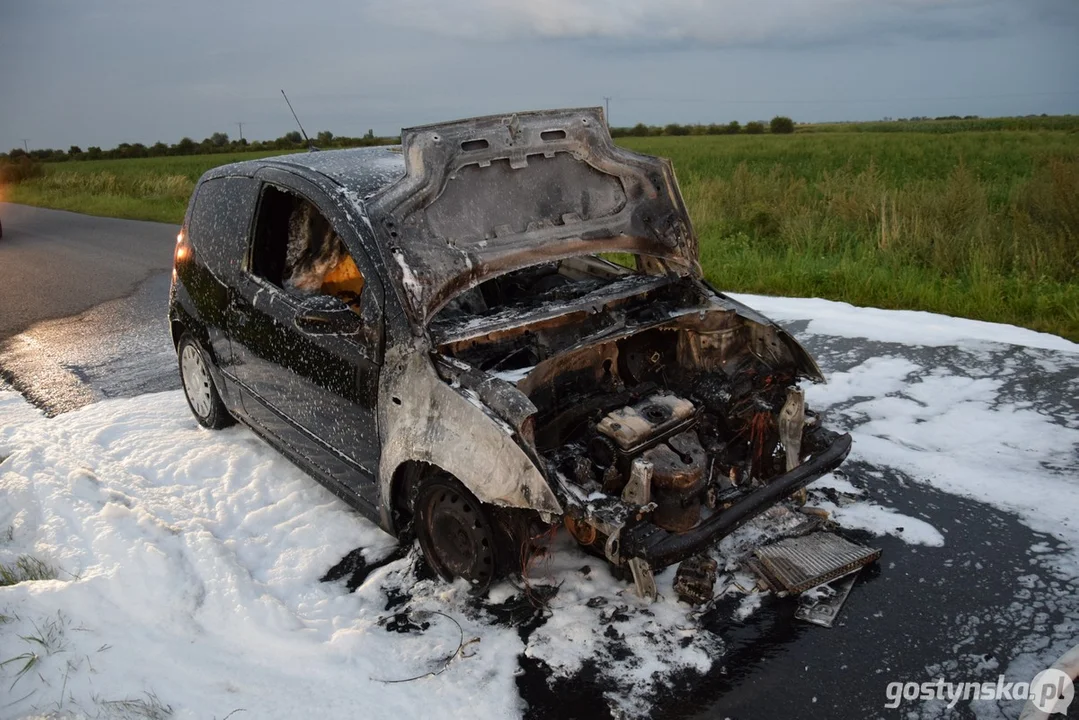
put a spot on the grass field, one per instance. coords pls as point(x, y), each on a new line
point(977, 224)
point(963, 221)
point(139, 189)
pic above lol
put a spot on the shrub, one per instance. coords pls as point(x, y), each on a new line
point(781, 125)
point(754, 128)
point(734, 127)
point(22, 169)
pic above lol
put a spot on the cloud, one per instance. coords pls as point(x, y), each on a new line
point(717, 22)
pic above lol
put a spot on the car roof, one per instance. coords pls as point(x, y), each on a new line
point(363, 171)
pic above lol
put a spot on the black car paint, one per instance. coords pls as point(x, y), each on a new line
point(288, 385)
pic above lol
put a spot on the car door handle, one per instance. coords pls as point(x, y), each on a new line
point(237, 316)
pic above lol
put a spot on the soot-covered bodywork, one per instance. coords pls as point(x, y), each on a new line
point(539, 350)
point(666, 415)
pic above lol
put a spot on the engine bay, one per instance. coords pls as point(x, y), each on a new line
point(664, 415)
point(685, 449)
point(682, 418)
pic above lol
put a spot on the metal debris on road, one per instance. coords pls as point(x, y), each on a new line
point(823, 611)
point(695, 580)
point(794, 565)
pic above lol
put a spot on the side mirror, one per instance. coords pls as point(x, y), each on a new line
point(327, 315)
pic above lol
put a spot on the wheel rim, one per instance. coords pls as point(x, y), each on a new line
point(458, 538)
point(197, 382)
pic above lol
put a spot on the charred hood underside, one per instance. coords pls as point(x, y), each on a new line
point(490, 195)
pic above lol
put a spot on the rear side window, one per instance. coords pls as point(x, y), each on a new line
point(221, 221)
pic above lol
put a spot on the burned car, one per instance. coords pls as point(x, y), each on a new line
point(498, 328)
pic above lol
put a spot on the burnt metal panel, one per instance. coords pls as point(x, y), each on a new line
point(490, 195)
point(798, 564)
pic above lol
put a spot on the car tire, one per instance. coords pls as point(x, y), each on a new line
point(198, 384)
point(456, 533)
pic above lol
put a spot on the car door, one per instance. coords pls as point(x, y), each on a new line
point(315, 391)
point(218, 231)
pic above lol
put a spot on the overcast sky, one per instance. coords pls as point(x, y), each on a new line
point(107, 71)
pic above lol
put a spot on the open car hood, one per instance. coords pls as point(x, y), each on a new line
point(490, 195)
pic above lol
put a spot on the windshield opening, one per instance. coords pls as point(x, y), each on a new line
point(520, 318)
point(556, 282)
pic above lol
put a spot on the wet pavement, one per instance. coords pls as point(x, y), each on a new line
point(988, 600)
point(83, 306)
point(56, 264)
point(120, 348)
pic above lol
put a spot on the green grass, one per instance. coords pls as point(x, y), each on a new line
point(149, 707)
point(975, 218)
point(978, 224)
point(138, 189)
point(25, 568)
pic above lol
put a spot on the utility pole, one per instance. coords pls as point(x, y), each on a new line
point(240, 123)
point(25, 146)
point(607, 110)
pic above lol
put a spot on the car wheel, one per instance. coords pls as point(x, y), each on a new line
point(455, 532)
point(199, 388)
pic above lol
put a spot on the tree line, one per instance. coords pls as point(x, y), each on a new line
point(219, 142)
point(779, 125)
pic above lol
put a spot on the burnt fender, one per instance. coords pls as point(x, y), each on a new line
point(766, 333)
point(422, 418)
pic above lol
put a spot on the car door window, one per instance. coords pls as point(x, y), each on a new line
point(316, 261)
point(297, 250)
point(220, 222)
point(301, 249)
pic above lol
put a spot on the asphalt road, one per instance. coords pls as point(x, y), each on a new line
point(83, 306)
point(82, 317)
point(56, 264)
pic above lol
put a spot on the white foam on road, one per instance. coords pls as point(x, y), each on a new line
point(189, 571)
point(909, 327)
point(189, 568)
point(883, 521)
point(960, 435)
